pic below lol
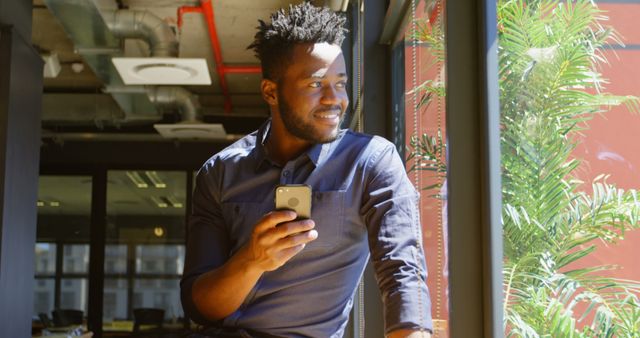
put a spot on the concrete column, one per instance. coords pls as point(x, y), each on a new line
point(20, 106)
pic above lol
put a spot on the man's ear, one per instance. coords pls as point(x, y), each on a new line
point(269, 91)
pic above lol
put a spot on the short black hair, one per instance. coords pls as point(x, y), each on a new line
point(305, 23)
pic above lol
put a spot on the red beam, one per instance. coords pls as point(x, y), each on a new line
point(242, 69)
point(187, 9)
point(206, 8)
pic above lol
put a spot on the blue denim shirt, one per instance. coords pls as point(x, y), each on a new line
point(363, 205)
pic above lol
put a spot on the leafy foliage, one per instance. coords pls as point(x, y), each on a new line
point(550, 87)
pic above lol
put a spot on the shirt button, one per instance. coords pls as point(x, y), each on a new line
point(285, 173)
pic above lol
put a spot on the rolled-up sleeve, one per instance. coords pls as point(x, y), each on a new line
point(390, 211)
point(207, 240)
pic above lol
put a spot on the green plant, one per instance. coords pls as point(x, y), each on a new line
point(550, 87)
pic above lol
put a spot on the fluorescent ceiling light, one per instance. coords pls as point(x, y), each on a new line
point(174, 202)
point(54, 204)
point(155, 179)
point(137, 179)
point(162, 71)
point(159, 202)
point(40, 203)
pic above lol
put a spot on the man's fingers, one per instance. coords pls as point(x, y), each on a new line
point(274, 218)
point(292, 251)
point(292, 228)
point(297, 239)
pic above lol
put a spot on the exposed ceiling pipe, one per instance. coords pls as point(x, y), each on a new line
point(337, 5)
point(144, 25)
point(162, 43)
point(85, 24)
point(176, 97)
point(206, 8)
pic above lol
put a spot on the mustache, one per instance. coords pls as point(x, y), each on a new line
point(328, 108)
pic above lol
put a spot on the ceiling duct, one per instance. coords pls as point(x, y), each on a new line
point(164, 67)
point(191, 126)
point(144, 25)
point(96, 28)
point(176, 97)
point(83, 22)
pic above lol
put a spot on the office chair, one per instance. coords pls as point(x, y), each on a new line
point(44, 319)
point(67, 317)
point(147, 316)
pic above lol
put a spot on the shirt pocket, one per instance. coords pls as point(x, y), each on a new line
point(240, 219)
point(327, 211)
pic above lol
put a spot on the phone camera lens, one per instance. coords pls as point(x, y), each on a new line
point(293, 202)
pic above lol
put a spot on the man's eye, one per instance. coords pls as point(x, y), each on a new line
point(315, 85)
point(341, 84)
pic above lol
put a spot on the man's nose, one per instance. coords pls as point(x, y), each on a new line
point(330, 95)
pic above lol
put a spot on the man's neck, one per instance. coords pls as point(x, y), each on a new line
point(282, 152)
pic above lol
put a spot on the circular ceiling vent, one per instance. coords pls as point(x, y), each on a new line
point(191, 130)
point(156, 72)
point(162, 71)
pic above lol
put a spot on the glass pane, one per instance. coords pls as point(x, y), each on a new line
point(43, 300)
point(74, 293)
point(569, 157)
point(45, 258)
point(64, 215)
point(145, 219)
point(64, 208)
point(115, 299)
point(160, 259)
point(75, 258)
point(115, 258)
point(419, 133)
point(159, 293)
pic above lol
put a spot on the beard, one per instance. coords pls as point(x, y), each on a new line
point(306, 130)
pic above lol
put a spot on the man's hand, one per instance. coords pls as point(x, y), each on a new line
point(409, 334)
point(277, 238)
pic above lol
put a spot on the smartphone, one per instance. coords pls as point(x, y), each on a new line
point(296, 197)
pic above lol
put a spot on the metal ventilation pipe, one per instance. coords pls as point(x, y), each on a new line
point(176, 97)
point(144, 25)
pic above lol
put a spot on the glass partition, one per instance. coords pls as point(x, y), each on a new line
point(144, 255)
point(62, 244)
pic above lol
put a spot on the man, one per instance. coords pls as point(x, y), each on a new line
point(251, 271)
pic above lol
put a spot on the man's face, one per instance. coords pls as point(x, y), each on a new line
point(312, 94)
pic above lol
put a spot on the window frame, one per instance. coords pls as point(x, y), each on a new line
point(473, 137)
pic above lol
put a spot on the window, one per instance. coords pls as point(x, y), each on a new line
point(115, 299)
point(167, 259)
point(146, 213)
point(44, 296)
point(45, 258)
point(160, 293)
point(61, 249)
point(76, 258)
point(419, 117)
point(570, 206)
point(115, 260)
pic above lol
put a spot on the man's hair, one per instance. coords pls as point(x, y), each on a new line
point(305, 23)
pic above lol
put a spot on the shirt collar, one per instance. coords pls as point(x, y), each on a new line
point(260, 150)
point(317, 154)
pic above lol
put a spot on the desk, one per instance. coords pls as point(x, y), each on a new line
point(124, 328)
point(58, 335)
